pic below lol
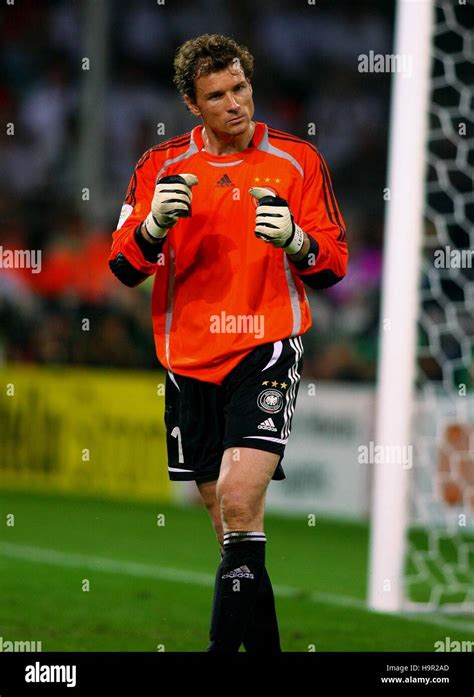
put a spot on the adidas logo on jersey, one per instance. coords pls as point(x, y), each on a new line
point(224, 181)
point(267, 425)
point(241, 572)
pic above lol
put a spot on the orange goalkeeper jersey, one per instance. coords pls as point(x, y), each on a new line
point(218, 290)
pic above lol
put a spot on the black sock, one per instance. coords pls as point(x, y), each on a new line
point(262, 635)
point(238, 579)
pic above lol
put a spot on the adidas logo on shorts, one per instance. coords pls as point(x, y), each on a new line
point(267, 425)
point(241, 572)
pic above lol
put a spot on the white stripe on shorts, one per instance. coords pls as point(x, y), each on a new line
point(277, 349)
point(294, 377)
point(173, 379)
point(274, 440)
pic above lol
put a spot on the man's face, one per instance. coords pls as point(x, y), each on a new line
point(224, 101)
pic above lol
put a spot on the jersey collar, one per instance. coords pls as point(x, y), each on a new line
point(196, 135)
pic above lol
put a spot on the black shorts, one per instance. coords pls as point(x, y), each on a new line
point(253, 408)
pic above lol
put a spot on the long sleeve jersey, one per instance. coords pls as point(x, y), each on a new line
point(219, 291)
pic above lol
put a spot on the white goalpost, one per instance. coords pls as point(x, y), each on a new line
point(420, 551)
point(403, 230)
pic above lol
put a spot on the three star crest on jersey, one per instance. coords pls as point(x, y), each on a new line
point(267, 180)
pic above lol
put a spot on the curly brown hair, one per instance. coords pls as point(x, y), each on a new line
point(206, 54)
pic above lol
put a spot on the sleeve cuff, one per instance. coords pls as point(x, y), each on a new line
point(149, 250)
point(309, 260)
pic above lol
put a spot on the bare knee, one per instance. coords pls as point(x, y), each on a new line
point(241, 487)
point(239, 513)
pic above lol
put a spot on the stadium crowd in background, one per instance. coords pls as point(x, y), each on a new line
point(307, 81)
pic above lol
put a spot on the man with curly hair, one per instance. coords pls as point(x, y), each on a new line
point(232, 218)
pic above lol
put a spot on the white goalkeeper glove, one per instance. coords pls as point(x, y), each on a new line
point(275, 223)
point(171, 200)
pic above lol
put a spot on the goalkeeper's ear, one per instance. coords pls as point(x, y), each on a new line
point(191, 105)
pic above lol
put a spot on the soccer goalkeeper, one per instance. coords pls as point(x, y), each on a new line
point(232, 219)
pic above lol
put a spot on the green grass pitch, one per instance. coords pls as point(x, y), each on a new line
point(150, 585)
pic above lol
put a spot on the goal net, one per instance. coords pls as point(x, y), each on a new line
point(440, 550)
